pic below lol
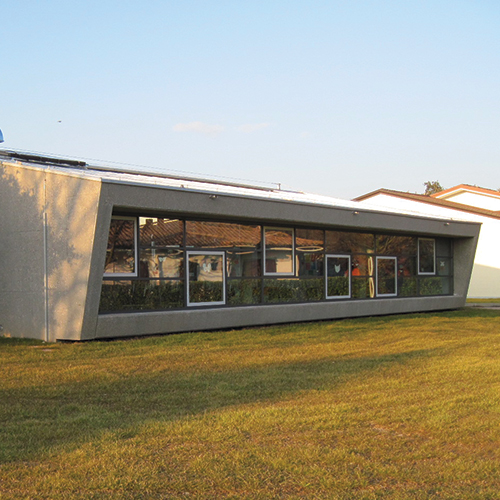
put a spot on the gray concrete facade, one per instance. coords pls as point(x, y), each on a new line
point(55, 225)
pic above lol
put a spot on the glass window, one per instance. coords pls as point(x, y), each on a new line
point(161, 263)
point(243, 263)
point(141, 295)
point(121, 251)
point(281, 290)
point(396, 245)
point(309, 246)
point(407, 287)
point(200, 234)
point(245, 291)
point(338, 276)
point(159, 232)
point(426, 256)
point(443, 247)
point(386, 277)
point(443, 266)
point(244, 258)
point(362, 265)
point(278, 250)
point(407, 266)
point(206, 283)
point(433, 285)
point(363, 288)
point(343, 241)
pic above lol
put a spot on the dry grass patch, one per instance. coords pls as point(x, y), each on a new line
point(394, 408)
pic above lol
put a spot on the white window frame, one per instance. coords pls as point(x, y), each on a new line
point(433, 273)
point(395, 259)
point(135, 273)
point(331, 255)
point(292, 273)
point(206, 252)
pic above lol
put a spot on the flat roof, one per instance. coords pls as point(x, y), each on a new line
point(211, 186)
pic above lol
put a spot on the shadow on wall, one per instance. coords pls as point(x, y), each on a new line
point(484, 283)
point(46, 244)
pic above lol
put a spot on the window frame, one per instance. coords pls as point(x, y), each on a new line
point(386, 257)
point(264, 251)
point(421, 273)
point(135, 273)
point(206, 252)
point(343, 256)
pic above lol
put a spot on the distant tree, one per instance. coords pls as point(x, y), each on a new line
point(432, 187)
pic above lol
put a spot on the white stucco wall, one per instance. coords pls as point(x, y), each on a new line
point(480, 200)
point(485, 280)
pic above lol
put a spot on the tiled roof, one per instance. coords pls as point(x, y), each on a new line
point(466, 187)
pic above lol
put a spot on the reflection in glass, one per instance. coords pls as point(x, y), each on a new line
point(362, 265)
point(435, 286)
point(202, 234)
point(161, 263)
point(443, 266)
point(120, 252)
point(141, 295)
point(346, 242)
point(386, 276)
point(245, 291)
point(396, 245)
point(309, 240)
point(407, 287)
point(309, 263)
point(426, 256)
point(338, 269)
point(206, 278)
point(443, 247)
point(312, 289)
point(278, 250)
point(407, 266)
point(362, 288)
point(281, 290)
point(243, 262)
point(160, 232)
point(309, 246)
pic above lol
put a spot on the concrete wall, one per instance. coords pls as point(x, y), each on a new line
point(47, 231)
point(135, 199)
point(54, 230)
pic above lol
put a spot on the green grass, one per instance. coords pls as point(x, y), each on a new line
point(484, 301)
point(402, 407)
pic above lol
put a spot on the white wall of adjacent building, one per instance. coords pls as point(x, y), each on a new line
point(480, 200)
point(485, 280)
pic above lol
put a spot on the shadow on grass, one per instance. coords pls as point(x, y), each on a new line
point(39, 420)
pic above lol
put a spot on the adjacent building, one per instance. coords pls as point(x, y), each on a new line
point(92, 252)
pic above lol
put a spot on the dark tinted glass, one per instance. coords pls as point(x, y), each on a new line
point(159, 232)
point(345, 242)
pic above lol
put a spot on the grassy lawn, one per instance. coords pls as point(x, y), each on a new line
point(484, 301)
point(392, 408)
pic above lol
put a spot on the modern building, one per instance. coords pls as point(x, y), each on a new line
point(93, 253)
point(461, 202)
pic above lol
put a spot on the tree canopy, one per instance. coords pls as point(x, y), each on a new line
point(432, 187)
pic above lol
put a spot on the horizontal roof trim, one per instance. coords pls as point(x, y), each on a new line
point(60, 162)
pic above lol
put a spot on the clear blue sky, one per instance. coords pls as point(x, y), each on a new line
point(336, 97)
